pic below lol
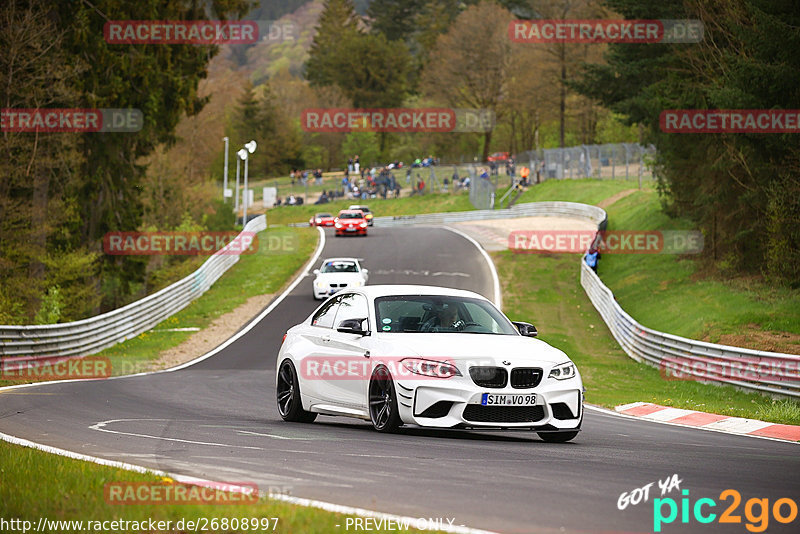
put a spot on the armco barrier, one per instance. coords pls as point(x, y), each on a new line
point(715, 363)
point(89, 336)
point(530, 209)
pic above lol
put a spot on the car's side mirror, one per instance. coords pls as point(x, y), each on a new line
point(353, 326)
point(316, 271)
point(365, 271)
point(526, 329)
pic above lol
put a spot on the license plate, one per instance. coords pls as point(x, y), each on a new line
point(351, 229)
point(494, 399)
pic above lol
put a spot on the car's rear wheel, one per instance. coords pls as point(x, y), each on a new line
point(383, 410)
point(290, 405)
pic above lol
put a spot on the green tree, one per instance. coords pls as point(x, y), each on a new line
point(365, 144)
point(469, 66)
point(396, 19)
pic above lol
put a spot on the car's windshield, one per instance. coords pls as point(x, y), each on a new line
point(438, 313)
point(339, 267)
point(351, 216)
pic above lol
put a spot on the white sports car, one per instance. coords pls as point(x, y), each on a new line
point(336, 274)
point(427, 356)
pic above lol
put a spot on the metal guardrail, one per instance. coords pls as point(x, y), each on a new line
point(528, 209)
point(92, 335)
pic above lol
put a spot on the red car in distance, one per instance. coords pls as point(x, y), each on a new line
point(498, 156)
point(321, 219)
point(350, 222)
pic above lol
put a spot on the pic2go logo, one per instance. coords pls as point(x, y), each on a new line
point(756, 511)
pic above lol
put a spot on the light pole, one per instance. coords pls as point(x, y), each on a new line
point(243, 153)
point(225, 172)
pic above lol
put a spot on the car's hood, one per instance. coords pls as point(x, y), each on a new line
point(489, 348)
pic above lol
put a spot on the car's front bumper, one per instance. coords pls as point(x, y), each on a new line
point(328, 289)
point(456, 402)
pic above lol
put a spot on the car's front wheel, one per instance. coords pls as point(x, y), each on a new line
point(383, 410)
point(290, 405)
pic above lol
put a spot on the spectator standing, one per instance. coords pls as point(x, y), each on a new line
point(356, 165)
point(524, 172)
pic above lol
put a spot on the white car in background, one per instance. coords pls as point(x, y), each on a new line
point(336, 274)
point(426, 356)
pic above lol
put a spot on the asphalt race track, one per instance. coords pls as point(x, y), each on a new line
point(217, 419)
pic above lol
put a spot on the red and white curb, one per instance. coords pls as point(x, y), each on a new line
point(710, 421)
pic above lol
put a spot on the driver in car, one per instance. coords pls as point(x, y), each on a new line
point(445, 318)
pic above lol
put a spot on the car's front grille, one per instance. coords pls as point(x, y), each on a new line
point(561, 411)
point(338, 285)
point(489, 377)
point(503, 414)
point(525, 377)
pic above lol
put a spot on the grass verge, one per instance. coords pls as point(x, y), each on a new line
point(35, 484)
point(266, 271)
point(585, 190)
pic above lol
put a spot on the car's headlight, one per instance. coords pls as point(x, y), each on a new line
point(563, 371)
point(358, 283)
point(430, 368)
point(317, 221)
point(338, 225)
point(363, 225)
point(319, 283)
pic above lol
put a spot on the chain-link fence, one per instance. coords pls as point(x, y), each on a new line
point(628, 161)
point(621, 161)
